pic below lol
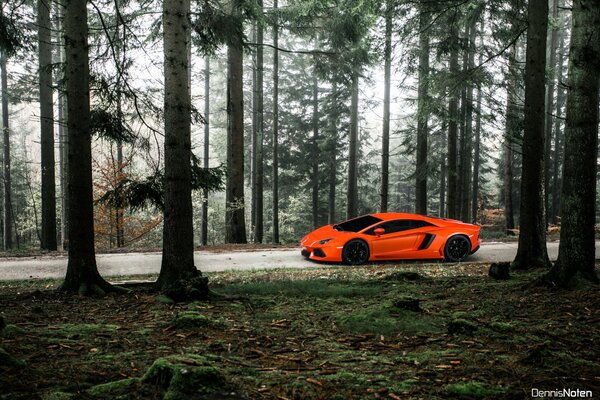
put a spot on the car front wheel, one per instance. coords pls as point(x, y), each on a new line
point(355, 252)
point(457, 248)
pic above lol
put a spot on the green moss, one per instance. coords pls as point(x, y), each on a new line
point(383, 321)
point(303, 288)
point(12, 331)
point(161, 298)
point(184, 376)
point(404, 386)
point(461, 327)
point(191, 319)
point(58, 396)
point(112, 389)
point(7, 359)
point(474, 389)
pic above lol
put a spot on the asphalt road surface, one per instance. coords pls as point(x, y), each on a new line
point(19, 268)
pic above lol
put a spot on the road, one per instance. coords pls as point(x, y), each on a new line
point(19, 268)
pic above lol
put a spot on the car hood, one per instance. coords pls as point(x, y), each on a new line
point(324, 232)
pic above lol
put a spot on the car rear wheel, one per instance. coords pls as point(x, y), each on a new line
point(355, 252)
point(457, 248)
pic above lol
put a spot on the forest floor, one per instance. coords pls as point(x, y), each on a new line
point(332, 333)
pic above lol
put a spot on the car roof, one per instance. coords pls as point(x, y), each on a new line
point(395, 215)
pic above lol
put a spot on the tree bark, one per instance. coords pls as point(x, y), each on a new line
point(177, 271)
point(576, 254)
point(558, 135)
point(452, 125)
point(532, 251)
point(7, 215)
point(352, 197)
point(258, 222)
point(422, 114)
point(331, 219)
point(275, 124)
point(82, 273)
point(385, 141)
point(509, 136)
point(442, 209)
point(235, 225)
point(314, 178)
point(468, 145)
point(63, 143)
point(477, 151)
point(549, 108)
point(47, 127)
point(204, 224)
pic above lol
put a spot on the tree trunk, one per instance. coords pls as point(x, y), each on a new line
point(476, 154)
point(442, 209)
point(204, 223)
point(509, 136)
point(314, 178)
point(235, 225)
point(558, 135)
point(422, 114)
point(576, 254)
point(82, 273)
point(385, 141)
point(62, 131)
point(331, 219)
point(352, 198)
point(532, 252)
point(275, 125)
point(467, 172)
point(178, 276)
point(7, 217)
point(452, 126)
point(549, 108)
point(258, 222)
point(47, 127)
point(462, 142)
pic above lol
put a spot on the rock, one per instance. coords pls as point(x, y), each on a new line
point(113, 389)
point(500, 271)
point(461, 327)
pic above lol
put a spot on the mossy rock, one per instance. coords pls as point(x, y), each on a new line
point(192, 319)
point(185, 376)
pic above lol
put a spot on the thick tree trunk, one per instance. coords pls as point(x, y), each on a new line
point(178, 276)
point(452, 127)
point(385, 141)
point(468, 145)
point(82, 273)
point(532, 252)
point(235, 225)
point(352, 198)
point(476, 159)
point(576, 254)
point(7, 209)
point(275, 126)
point(314, 178)
point(422, 114)
point(206, 151)
point(510, 134)
point(62, 130)
point(47, 127)
point(549, 109)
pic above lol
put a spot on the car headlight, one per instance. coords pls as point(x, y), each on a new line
point(322, 242)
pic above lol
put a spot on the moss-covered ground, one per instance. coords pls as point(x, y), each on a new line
point(321, 333)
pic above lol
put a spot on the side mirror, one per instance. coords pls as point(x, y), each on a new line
point(379, 231)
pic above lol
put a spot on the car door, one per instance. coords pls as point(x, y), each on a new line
point(400, 236)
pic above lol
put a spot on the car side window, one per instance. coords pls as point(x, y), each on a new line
point(397, 225)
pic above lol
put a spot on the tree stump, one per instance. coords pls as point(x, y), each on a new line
point(409, 304)
point(500, 271)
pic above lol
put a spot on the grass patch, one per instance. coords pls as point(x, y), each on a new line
point(303, 288)
point(383, 321)
point(474, 389)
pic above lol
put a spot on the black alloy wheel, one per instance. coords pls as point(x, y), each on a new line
point(457, 248)
point(355, 252)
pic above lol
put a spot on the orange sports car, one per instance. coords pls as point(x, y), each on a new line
point(392, 236)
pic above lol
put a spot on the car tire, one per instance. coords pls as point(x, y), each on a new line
point(457, 248)
point(355, 252)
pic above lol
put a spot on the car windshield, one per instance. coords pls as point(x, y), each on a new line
point(357, 224)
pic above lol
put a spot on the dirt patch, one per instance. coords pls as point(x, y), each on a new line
point(331, 333)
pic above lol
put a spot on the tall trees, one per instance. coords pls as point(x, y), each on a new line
point(258, 134)
point(314, 176)
point(532, 250)
point(453, 121)
point(235, 228)
point(510, 134)
point(422, 113)
point(47, 127)
point(352, 196)
point(82, 273)
point(177, 272)
point(578, 211)
point(204, 223)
